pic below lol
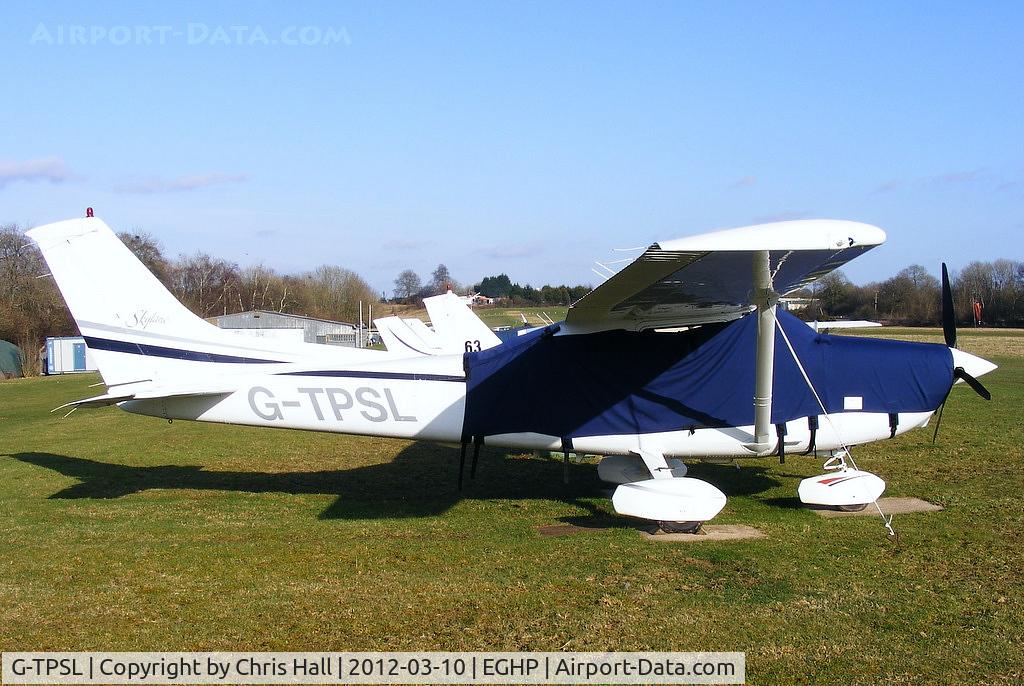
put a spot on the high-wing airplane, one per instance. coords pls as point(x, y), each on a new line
point(733, 378)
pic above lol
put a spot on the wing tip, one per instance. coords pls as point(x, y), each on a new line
point(65, 228)
point(793, 234)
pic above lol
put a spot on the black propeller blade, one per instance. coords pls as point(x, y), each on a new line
point(959, 373)
point(938, 421)
point(948, 315)
point(949, 333)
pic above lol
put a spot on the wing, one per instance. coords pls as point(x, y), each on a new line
point(710, 277)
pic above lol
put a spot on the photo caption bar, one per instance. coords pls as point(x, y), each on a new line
point(374, 668)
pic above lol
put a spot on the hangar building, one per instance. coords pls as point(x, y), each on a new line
point(289, 327)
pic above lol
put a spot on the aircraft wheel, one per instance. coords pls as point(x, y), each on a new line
point(680, 527)
point(859, 507)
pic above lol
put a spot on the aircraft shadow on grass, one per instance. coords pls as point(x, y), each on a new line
point(420, 481)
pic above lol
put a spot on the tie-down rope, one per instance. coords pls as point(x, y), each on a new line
point(887, 521)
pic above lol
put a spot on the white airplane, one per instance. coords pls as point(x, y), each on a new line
point(740, 380)
point(456, 330)
point(401, 338)
point(843, 324)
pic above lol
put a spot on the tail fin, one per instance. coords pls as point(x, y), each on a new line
point(456, 330)
point(135, 329)
point(457, 324)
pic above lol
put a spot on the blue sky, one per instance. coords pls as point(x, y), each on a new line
point(530, 138)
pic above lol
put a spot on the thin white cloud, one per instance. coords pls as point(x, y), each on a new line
point(743, 182)
point(945, 179)
point(50, 169)
point(189, 182)
point(891, 185)
point(956, 177)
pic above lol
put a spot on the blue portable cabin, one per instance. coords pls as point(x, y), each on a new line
point(68, 355)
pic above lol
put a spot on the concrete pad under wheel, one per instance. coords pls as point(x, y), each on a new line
point(888, 505)
point(708, 532)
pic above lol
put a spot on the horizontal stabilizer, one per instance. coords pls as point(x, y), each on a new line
point(399, 338)
point(104, 400)
point(150, 393)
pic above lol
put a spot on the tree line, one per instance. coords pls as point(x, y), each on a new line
point(913, 296)
point(31, 307)
point(410, 289)
point(501, 286)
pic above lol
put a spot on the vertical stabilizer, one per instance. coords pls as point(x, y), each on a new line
point(136, 330)
point(457, 324)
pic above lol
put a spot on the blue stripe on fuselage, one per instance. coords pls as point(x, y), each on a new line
point(196, 356)
point(172, 353)
point(366, 374)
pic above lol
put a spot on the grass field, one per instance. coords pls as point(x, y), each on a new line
point(120, 532)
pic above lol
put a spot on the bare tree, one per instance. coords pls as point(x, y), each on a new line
point(330, 292)
point(407, 285)
point(261, 288)
point(441, 280)
point(910, 297)
point(998, 286)
point(148, 250)
point(30, 305)
point(205, 284)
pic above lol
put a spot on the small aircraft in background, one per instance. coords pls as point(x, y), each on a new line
point(843, 324)
point(680, 354)
point(456, 329)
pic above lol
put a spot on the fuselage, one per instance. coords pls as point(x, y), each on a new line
point(426, 401)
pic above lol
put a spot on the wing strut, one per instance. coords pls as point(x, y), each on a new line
point(766, 299)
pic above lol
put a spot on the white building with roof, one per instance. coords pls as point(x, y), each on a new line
point(290, 327)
